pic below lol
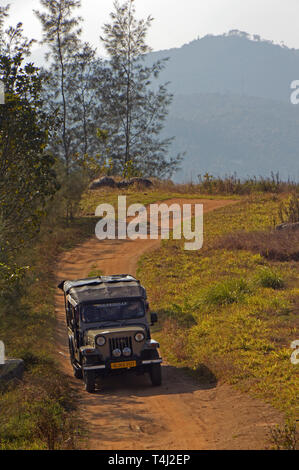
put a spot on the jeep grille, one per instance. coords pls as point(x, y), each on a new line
point(120, 343)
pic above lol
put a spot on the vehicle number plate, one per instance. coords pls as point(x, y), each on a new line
point(123, 365)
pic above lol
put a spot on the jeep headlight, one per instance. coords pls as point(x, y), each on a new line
point(127, 352)
point(101, 340)
point(116, 352)
point(139, 337)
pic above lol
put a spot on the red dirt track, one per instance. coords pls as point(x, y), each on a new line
point(127, 413)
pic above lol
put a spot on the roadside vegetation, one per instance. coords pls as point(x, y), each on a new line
point(230, 310)
point(39, 412)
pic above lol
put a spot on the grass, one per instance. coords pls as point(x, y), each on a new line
point(267, 277)
point(274, 245)
point(229, 309)
point(40, 412)
point(91, 199)
point(284, 437)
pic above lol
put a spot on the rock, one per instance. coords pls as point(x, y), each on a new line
point(124, 184)
point(108, 182)
point(288, 226)
point(12, 369)
point(104, 182)
point(141, 182)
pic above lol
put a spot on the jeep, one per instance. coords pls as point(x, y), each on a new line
point(108, 329)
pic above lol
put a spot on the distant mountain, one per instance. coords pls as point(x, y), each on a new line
point(232, 63)
point(223, 134)
point(232, 109)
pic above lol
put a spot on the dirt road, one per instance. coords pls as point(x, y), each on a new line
point(128, 413)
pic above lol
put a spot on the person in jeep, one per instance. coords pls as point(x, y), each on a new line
point(108, 329)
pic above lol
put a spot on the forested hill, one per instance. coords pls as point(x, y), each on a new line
point(232, 63)
point(223, 134)
point(232, 109)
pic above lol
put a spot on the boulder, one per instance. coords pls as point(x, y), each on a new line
point(104, 182)
point(124, 184)
point(11, 370)
point(141, 182)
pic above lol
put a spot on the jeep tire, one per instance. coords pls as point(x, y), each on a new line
point(89, 381)
point(156, 374)
point(77, 372)
point(155, 370)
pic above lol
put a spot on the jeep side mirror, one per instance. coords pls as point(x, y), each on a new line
point(154, 318)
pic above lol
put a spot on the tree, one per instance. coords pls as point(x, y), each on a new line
point(70, 93)
point(133, 112)
point(27, 178)
point(61, 33)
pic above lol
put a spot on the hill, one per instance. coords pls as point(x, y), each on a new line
point(224, 134)
point(231, 63)
point(232, 109)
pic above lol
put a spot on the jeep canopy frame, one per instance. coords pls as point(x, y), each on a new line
point(102, 288)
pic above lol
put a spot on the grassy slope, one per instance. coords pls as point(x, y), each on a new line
point(91, 199)
point(39, 412)
point(218, 317)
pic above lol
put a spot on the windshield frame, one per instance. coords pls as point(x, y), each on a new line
point(111, 320)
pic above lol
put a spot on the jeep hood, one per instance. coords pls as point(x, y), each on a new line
point(111, 331)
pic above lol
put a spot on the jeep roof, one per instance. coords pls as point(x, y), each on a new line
point(102, 288)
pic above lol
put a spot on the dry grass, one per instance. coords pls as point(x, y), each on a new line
point(274, 245)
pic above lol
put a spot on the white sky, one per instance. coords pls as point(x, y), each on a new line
point(180, 21)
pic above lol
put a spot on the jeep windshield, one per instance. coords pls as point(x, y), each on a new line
point(112, 311)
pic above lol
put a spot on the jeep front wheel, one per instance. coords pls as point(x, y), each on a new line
point(89, 381)
point(156, 374)
point(77, 372)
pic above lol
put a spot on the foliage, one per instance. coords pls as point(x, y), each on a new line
point(289, 210)
point(267, 277)
point(227, 292)
point(132, 111)
point(27, 178)
point(41, 412)
point(232, 184)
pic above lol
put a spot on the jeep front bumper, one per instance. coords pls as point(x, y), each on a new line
point(108, 367)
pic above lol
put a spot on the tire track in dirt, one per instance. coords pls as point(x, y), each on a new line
point(127, 412)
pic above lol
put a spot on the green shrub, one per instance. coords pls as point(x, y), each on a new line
point(227, 292)
point(270, 279)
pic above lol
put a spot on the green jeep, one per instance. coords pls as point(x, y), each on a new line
point(108, 329)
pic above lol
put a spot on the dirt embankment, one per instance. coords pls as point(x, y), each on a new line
point(127, 412)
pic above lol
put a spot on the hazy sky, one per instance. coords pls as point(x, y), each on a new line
point(180, 21)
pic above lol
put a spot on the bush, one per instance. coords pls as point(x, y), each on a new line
point(269, 278)
point(289, 211)
point(227, 292)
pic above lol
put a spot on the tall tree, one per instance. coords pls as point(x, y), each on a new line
point(84, 74)
point(133, 112)
point(61, 33)
point(70, 93)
